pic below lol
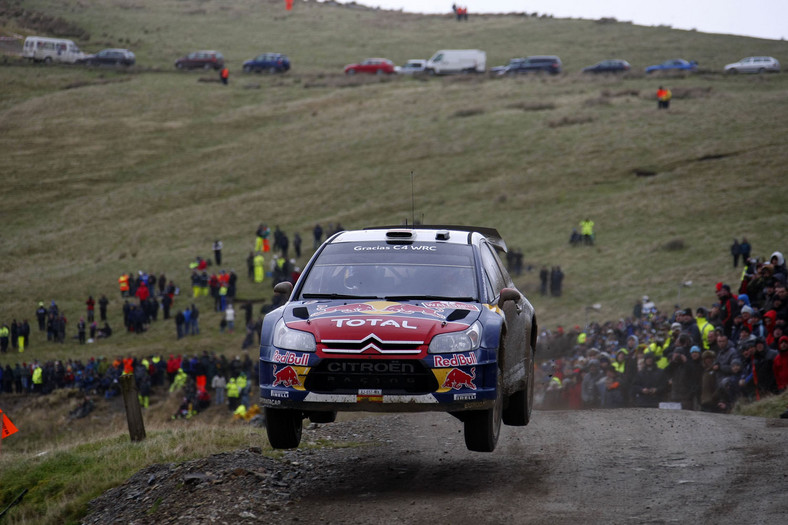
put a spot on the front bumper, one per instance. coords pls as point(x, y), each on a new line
point(304, 381)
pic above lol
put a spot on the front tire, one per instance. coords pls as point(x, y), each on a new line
point(351, 71)
point(283, 427)
point(518, 413)
point(483, 427)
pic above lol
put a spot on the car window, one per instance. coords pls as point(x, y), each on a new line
point(492, 269)
point(379, 270)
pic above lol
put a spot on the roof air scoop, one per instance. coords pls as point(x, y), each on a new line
point(442, 235)
point(399, 234)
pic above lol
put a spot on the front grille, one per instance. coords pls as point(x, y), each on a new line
point(392, 376)
point(371, 344)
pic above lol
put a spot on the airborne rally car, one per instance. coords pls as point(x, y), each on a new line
point(401, 319)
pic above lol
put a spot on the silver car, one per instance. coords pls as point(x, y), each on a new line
point(754, 65)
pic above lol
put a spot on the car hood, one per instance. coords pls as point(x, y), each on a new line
point(370, 325)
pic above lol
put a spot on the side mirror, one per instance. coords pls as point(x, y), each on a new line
point(508, 294)
point(285, 287)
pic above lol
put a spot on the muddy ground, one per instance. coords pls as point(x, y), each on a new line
point(615, 466)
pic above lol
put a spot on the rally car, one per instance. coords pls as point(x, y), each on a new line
point(401, 319)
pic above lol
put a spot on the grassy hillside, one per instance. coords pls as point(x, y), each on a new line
point(109, 171)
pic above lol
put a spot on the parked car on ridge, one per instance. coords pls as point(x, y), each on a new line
point(111, 57)
point(674, 64)
point(374, 66)
point(457, 61)
point(608, 66)
point(414, 65)
point(201, 60)
point(533, 64)
point(268, 62)
point(754, 65)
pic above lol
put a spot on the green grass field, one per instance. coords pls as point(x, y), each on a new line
point(108, 171)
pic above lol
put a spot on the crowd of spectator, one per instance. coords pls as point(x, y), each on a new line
point(736, 348)
point(199, 379)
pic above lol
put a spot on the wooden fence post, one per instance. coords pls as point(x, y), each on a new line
point(133, 411)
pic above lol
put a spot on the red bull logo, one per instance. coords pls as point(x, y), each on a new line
point(355, 308)
point(290, 358)
point(454, 360)
point(287, 377)
point(458, 379)
point(451, 305)
point(409, 309)
point(378, 308)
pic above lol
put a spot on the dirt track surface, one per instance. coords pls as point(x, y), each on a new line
point(617, 466)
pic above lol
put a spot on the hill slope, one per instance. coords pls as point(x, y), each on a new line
point(108, 171)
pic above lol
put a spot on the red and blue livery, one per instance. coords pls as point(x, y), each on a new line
point(401, 319)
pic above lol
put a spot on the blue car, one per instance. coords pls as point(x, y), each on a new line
point(674, 64)
point(268, 62)
point(400, 319)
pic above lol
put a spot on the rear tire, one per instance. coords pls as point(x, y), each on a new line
point(483, 427)
point(283, 427)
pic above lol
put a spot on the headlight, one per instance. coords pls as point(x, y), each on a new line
point(296, 340)
point(464, 341)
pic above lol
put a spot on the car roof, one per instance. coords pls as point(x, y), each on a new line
point(454, 234)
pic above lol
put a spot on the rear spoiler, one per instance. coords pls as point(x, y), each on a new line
point(491, 234)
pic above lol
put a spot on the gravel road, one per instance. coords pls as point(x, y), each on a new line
point(604, 466)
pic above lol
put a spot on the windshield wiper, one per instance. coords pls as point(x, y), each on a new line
point(427, 298)
point(336, 296)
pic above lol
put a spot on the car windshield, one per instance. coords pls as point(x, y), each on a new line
point(382, 270)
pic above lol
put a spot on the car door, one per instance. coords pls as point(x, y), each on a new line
point(514, 359)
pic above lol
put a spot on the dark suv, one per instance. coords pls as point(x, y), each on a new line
point(111, 57)
point(201, 60)
point(547, 64)
point(268, 62)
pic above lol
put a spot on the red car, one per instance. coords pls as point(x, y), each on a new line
point(375, 66)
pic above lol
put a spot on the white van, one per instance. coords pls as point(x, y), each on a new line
point(43, 49)
point(448, 61)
